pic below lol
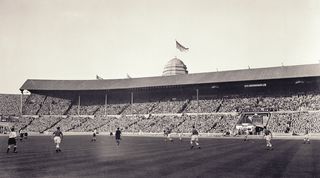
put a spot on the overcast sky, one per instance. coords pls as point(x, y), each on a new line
point(77, 39)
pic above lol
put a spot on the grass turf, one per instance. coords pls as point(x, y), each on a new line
point(152, 157)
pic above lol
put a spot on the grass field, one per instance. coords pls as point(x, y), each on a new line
point(152, 157)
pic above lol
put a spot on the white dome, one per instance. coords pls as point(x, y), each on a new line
point(174, 67)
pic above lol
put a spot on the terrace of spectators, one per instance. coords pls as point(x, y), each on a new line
point(211, 101)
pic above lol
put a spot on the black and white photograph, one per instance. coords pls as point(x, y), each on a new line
point(159, 88)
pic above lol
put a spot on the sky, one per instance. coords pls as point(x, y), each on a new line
point(79, 39)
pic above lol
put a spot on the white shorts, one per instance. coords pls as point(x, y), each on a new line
point(194, 138)
point(57, 140)
point(268, 137)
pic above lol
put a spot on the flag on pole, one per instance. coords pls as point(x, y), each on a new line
point(180, 47)
point(98, 77)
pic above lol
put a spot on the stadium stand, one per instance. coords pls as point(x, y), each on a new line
point(212, 101)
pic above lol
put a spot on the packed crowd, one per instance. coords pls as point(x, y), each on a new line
point(23, 122)
point(47, 105)
point(54, 106)
point(111, 109)
point(33, 104)
point(214, 114)
point(169, 106)
point(43, 123)
point(203, 106)
point(69, 123)
point(292, 122)
point(296, 122)
point(139, 108)
point(93, 123)
point(10, 104)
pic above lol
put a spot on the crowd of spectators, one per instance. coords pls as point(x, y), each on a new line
point(203, 106)
point(10, 104)
point(69, 123)
point(294, 122)
point(92, 123)
point(83, 109)
point(22, 122)
point(217, 123)
point(169, 106)
point(37, 104)
point(111, 109)
point(311, 102)
point(33, 104)
point(123, 122)
point(289, 113)
point(43, 123)
point(54, 106)
point(139, 108)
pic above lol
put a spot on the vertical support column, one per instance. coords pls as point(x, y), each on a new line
point(105, 103)
point(79, 100)
point(21, 98)
point(197, 90)
point(131, 97)
point(198, 107)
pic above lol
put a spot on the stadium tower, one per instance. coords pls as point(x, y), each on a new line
point(174, 67)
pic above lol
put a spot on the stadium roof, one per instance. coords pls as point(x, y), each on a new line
point(282, 72)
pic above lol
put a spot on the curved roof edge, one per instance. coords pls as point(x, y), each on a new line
point(282, 72)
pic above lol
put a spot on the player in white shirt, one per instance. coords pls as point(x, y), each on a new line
point(12, 141)
point(268, 136)
point(180, 135)
point(306, 137)
point(246, 134)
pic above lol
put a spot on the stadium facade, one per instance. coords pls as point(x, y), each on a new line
point(262, 81)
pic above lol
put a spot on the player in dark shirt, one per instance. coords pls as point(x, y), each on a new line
point(167, 134)
point(21, 134)
point(118, 136)
point(57, 137)
point(194, 137)
point(94, 135)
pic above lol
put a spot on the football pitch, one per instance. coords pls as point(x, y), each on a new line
point(152, 157)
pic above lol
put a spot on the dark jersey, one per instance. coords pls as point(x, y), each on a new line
point(57, 133)
point(118, 134)
point(194, 132)
point(167, 132)
point(267, 132)
point(307, 131)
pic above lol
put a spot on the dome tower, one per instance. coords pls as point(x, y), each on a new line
point(175, 67)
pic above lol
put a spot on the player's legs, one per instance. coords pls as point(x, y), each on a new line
point(197, 142)
point(15, 148)
point(191, 142)
point(8, 149)
point(169, 138)
point(57, 141)
point(94, 137)
point(269, 145)
point(306, 139)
